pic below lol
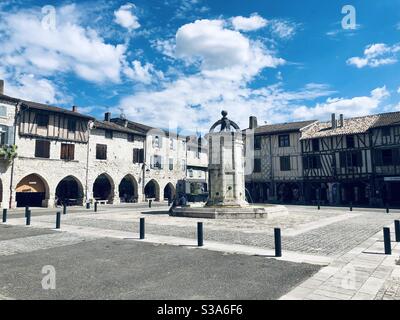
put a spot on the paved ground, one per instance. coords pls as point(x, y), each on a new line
point(333, 237)
point(89, 268)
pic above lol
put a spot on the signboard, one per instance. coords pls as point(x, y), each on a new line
point(392, 178)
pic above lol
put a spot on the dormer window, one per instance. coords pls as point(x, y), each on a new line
point(42, 120)
point(156, 142)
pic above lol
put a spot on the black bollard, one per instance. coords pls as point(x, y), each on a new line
point(4, 215)
point(387, 209)
point(26, 211)
point(142, 229)
point(64, 209)
point(351, 206)
point(88, 205)
point(386, 240)
point(28, 218)
point(200, 234)
point(319, 206)
point(397, 230)
point(95, 206)
point(150, 202)
point(58, 220)
point(278, 242)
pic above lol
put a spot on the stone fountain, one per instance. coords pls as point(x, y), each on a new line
point(226, 199)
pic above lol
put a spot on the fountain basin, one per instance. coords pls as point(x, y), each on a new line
point(230, 212)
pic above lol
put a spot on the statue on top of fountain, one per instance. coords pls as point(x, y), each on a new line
point(225, 123)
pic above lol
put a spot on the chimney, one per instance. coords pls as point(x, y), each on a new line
point(341, 121)
point(74, 109)
point(253, 122)
point(126, 123)
point(334, 125)
point(1, 86)
point(107, 116)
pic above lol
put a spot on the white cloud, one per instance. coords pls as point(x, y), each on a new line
point(283, 29)
point(376, 55)
point(143, 73)
point(254, 22)
point(222, 52)
point(351, 107)
point(28, 87)
point(68, 48)
point(126, 17)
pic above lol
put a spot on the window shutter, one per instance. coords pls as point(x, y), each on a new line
point(141, 156)
point(71, 152)
point(10, 135)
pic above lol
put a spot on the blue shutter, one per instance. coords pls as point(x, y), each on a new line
point(10, 135)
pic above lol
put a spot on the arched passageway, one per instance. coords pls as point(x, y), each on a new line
point(169, 192)
point(128, 189)
point(152, 190)
point(69, 192)
point(32, 191)
point(103, 188)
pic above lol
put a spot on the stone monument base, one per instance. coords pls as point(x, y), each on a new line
point(224, 212)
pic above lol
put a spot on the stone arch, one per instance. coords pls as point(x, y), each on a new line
point(169, 191)
point(69, 191)
point(103, 188)
point(128, 189)
point(33, 191)
point(289, 192)
point(152, 190)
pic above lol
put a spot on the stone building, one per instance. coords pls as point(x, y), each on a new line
point(52, 154)
point(276, 174)
point(194, 184)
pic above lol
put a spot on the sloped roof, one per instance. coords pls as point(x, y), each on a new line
point(45, 107)
point(283, 127)
point(106, 125)
point(139, 127)
point(350, 126)
point(387, 119)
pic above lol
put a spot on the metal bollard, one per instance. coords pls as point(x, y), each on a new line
point(397, 230)
point(319, 206)
point(64, 209)
point(278, 242)
point(95, 206)
point(150, 202)
point(386, 240)
point(28, 218)
point(26, 211)
point(351, 206)
point(387, 209)
point(200, 234)
point(4, 215)
point(142, 229)
point(58, 220)
point(88, 205)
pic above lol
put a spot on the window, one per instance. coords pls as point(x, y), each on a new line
point(101, 152)
point(67, 151)
point(156, 142)
point(138, 155)
point(42, 120)
point(257, 143)
point(315, 145)
point(257, 165)
point(190, 173)
point(108, 134)
point(285, 163)
point(351, 159)
point(156, 162)
point(171, 164)
point(312, 162)
point(387, 157)
point(71, 125)
point(3, 135)
point(42, 149)
point(3, 111)
point(284, 141)
point(386, 132)
point(131, 137)
point(350, 142)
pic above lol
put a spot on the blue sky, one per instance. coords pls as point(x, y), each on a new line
point(180, 62)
